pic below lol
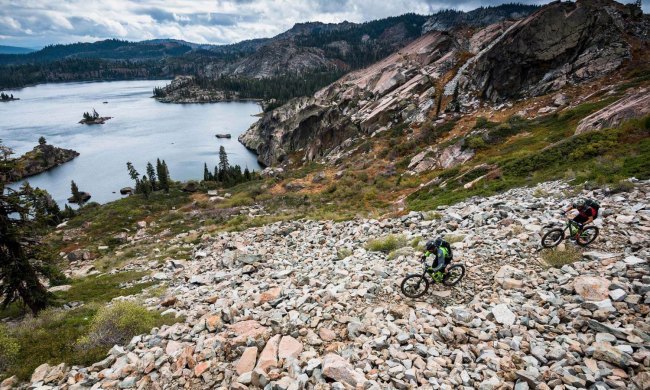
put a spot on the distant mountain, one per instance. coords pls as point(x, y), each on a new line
point(15, 50)
point(110, 49)
point(306, 49)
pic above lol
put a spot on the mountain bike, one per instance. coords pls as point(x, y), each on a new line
point(583, 236)
point(416, 285)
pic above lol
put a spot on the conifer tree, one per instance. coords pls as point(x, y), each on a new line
point(145, 187)
point(152, 176)
point(76, 195)
point(42, 141)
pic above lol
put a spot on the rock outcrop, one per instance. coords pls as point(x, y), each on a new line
point(42, 158)
point(635, 105)
point(562, 44)
point(298, 317)
point(399, 86)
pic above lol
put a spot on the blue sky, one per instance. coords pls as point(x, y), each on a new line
point(35, 23)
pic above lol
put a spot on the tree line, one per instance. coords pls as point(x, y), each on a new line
point(226, 174)
point(156, 178)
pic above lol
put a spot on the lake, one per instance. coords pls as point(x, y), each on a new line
point(141, 130)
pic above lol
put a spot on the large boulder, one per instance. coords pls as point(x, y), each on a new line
point(337, 368)
point(592, 288)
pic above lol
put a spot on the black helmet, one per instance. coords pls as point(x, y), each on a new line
point(432, 245)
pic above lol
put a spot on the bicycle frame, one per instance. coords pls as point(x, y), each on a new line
point(428, 270)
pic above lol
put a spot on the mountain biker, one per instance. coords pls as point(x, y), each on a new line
point(587, 212)
point(442, 252)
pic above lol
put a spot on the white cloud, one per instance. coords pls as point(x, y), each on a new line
point(36, 23)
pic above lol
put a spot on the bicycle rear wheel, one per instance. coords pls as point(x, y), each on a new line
point(453, 275)
point(552, 238)
point(587, 236)
point(414, 285)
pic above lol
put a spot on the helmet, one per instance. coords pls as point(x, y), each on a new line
point(580, 203)
point(432, 245)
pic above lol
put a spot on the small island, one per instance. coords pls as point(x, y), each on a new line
point(185, 89)
point(7, 98)
point(42, 158)
point(94, 118)
point(224, 135)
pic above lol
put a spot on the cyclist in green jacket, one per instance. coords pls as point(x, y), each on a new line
point(442, 252)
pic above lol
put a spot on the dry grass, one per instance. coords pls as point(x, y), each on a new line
point(558, 258)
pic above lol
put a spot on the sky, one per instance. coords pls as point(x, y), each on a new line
point(36, 23)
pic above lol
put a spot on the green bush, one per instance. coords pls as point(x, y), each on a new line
point(9, 349)
point(475, 142)
point(386, 244)
point(117, 324)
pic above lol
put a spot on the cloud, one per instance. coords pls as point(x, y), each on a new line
point(35, 23)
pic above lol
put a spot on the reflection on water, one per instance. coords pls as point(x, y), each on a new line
point(141, 130)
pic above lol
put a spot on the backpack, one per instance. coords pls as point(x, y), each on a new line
point(446, 245)
point(594, 205)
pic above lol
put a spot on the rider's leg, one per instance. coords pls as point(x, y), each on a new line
point(439, 262)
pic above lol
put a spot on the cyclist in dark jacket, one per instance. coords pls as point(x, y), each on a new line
point(586, 214)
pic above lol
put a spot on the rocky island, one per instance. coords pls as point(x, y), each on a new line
point(185, 89)
point(94, 118)
point(40, 159)
point(7, 98)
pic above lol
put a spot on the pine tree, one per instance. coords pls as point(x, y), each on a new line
point(247, 174)
point(223, 159)
point(145, 187)
point(152, 176)
point(42, 141)
point(163, 175)
point(76, 195)
point(24, 262)
point(206, 173)
point(132, 172)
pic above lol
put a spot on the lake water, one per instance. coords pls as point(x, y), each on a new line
point(141, 130)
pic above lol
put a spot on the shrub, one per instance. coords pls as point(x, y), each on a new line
point(557, 258)
point(342, 253)
point(622, 186)
point(475, 142)
point(9, 348)
point(386, 244)
point(117, 324)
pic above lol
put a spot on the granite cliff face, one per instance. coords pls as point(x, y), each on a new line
point(561, 45)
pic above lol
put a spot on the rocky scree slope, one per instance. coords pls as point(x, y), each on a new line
point(275, 307)
point(560, 45)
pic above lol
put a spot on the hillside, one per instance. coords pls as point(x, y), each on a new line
point(303, 50)
point(14, 50)
point(256, 308)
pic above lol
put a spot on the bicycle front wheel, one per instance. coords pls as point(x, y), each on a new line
point(453, 275)
point(552, 238)
point(587, 236)
point(414, 285)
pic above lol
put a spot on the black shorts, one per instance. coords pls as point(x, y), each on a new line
point(580, 219)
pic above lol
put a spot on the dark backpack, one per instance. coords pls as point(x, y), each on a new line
point(594, 205)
